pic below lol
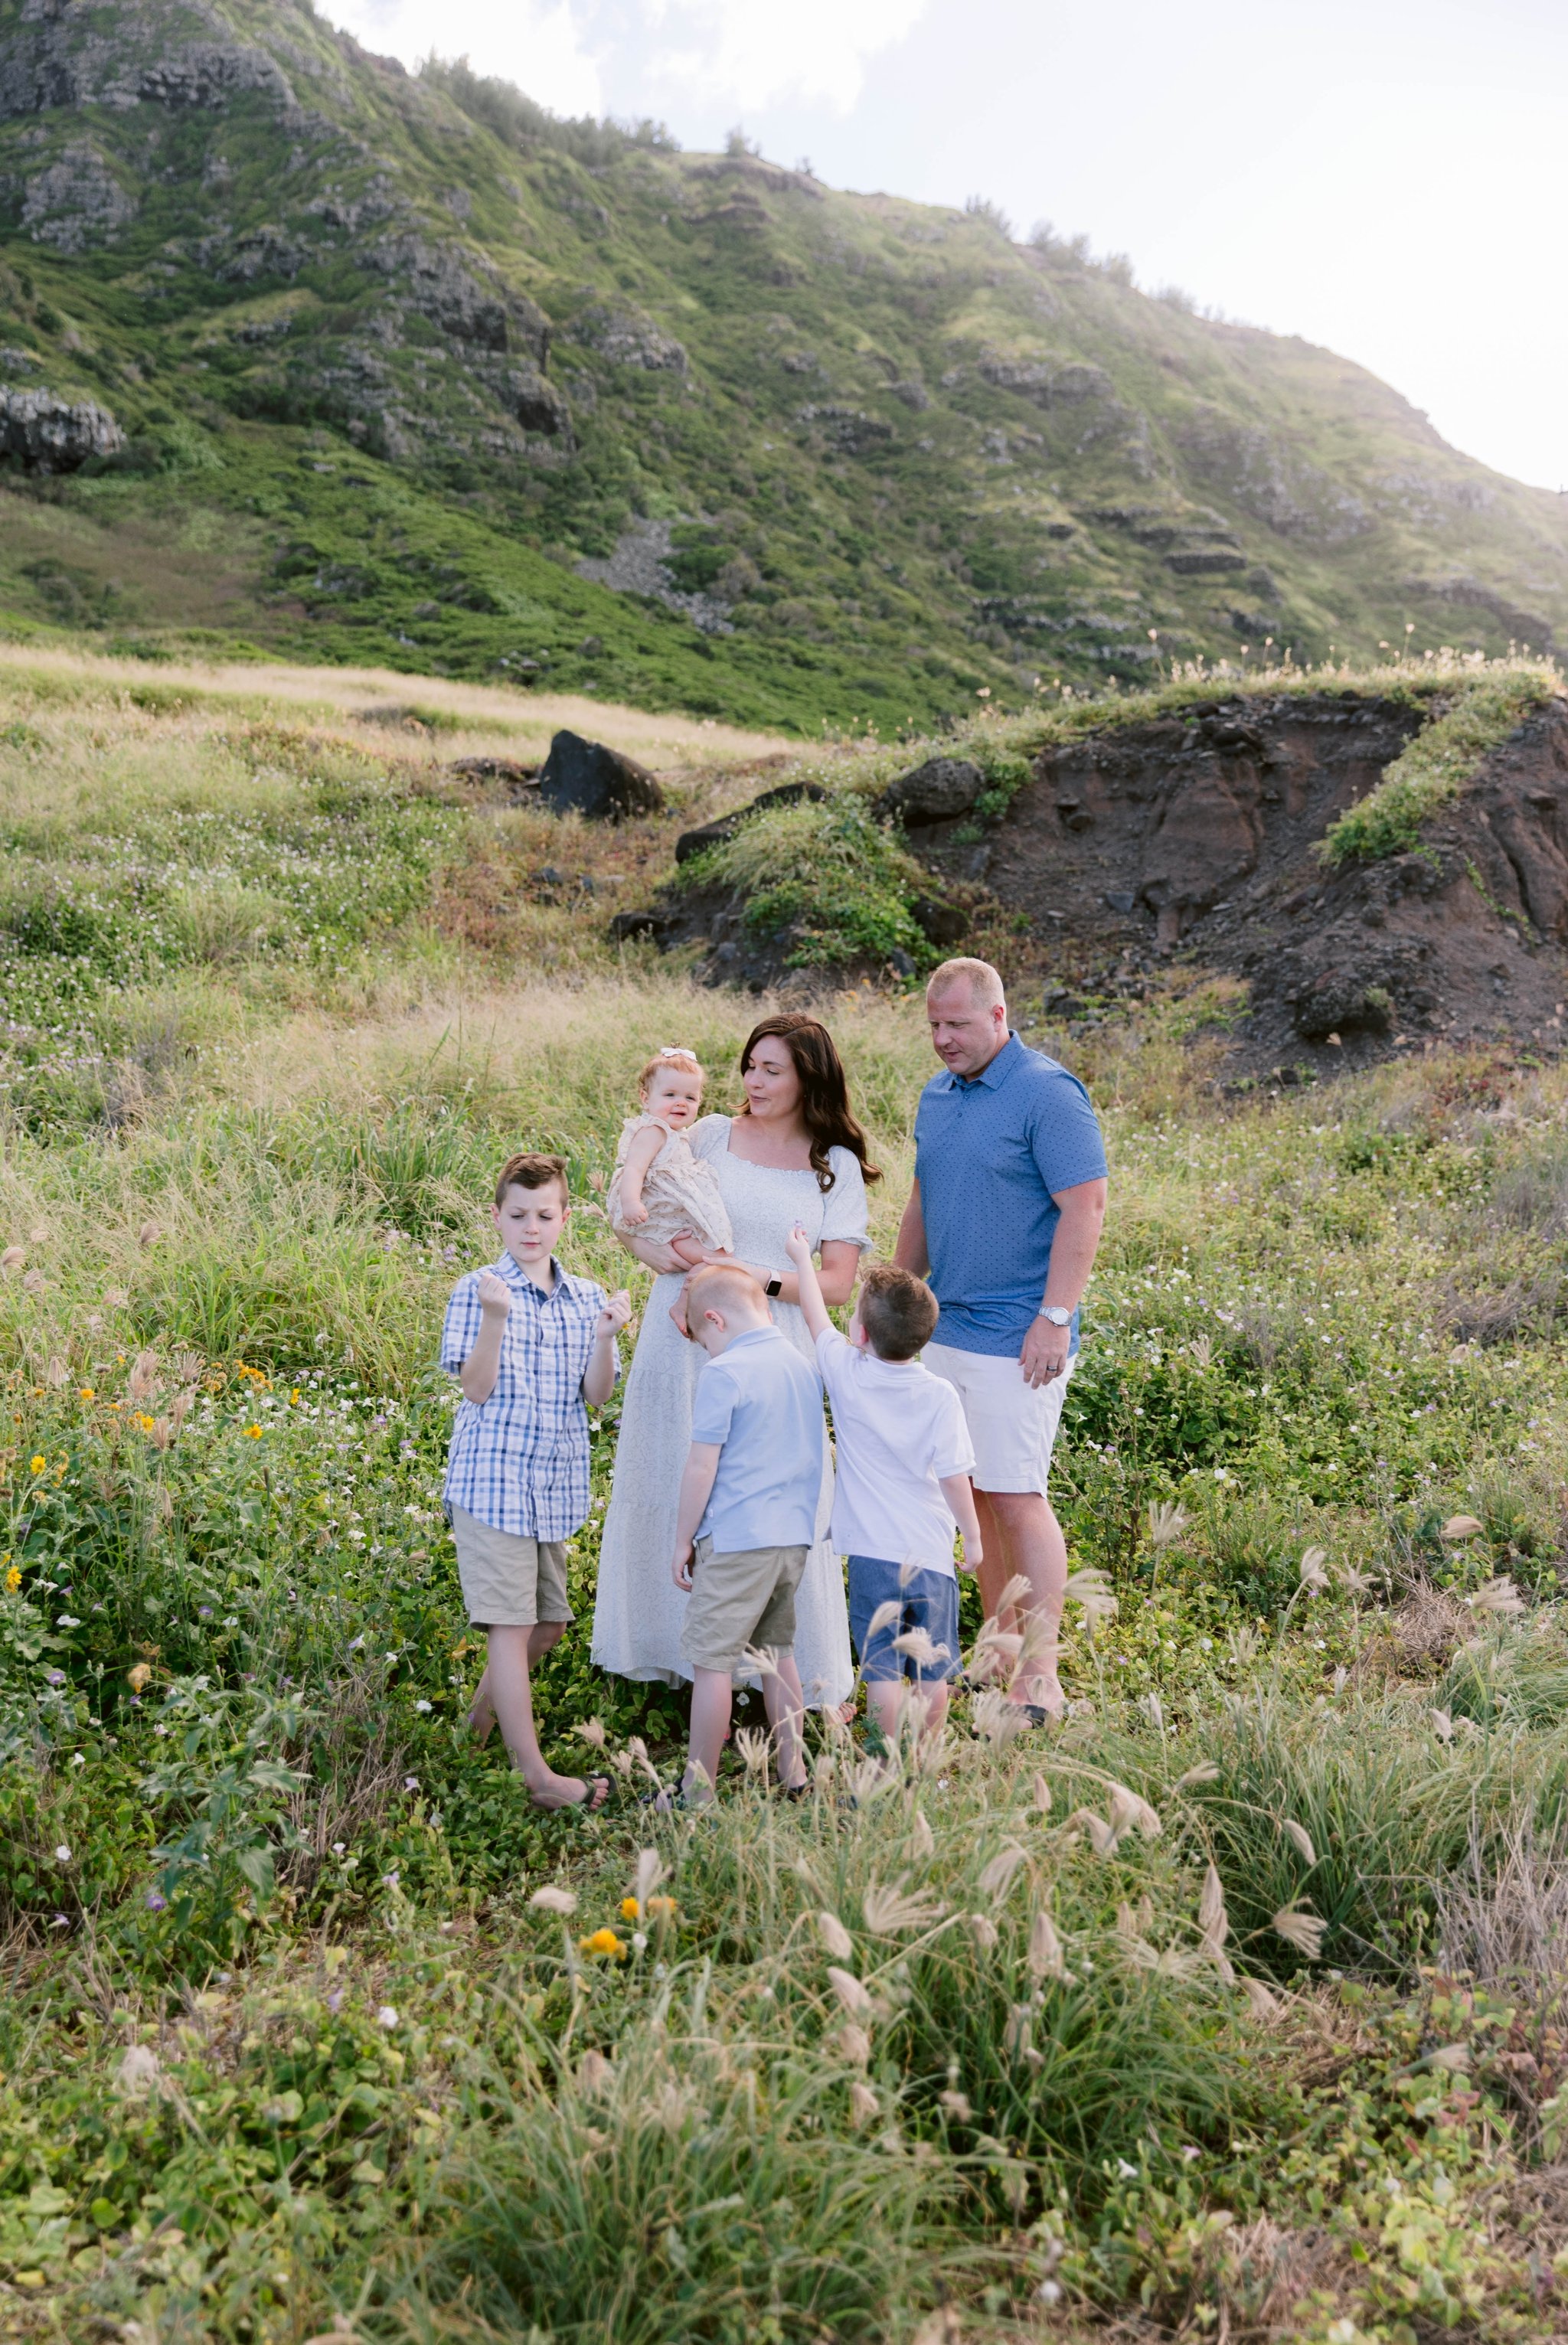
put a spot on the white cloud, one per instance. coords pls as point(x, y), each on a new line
point(538, 46)
point(754, 53)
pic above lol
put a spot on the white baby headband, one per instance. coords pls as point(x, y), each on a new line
point(676, 1051)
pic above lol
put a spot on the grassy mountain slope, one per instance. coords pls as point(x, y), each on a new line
point(390, 361)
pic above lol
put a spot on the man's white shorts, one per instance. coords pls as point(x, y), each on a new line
point(1013, 1424)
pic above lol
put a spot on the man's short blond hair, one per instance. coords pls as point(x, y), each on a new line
point(983, 982)
point(720, 1285)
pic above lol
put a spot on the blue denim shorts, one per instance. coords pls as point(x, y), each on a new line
point(929, 1601)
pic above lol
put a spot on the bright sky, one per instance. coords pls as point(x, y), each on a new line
point(1377, 175)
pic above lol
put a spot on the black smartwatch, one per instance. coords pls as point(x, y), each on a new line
point(774, 1288)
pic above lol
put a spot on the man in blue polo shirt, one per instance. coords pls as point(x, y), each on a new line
point(1008, 1202)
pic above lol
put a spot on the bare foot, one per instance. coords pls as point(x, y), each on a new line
point(570, 1791)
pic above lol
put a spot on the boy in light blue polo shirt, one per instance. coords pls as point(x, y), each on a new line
point(748, 1517)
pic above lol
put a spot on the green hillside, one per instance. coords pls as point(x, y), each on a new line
point(300, 351)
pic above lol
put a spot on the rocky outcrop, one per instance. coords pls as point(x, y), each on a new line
point(54, 59)
point(939, 791)
point(1200, 832)
point(44, 433)
point(434, 280)
point(75, 201)
point(715, 834)
point(626, 337)
point(587, 777)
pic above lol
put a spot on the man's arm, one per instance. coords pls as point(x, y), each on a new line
point(910, 1253)
point(1072, 1250)
point(696, 1489)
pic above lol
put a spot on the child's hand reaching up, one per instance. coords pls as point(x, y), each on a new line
point(613, 1315)
point(798, 1246)
point(495, 1295)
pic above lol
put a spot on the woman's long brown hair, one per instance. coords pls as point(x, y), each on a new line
point(824, 1091)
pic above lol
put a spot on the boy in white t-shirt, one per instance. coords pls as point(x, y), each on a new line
point(901, 1488)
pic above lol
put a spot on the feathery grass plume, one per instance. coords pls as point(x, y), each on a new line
point(1441, 1724)
point(754, 1748)
point(982, 1930)
point(1301, 1836)
point(649, 1873)
point(996, 1877)
point(1019, 1589)
point(1455, 2057)
point(1043, 1795)
point(1206, 1772)
point(1313, 1577)
point(994, 1655)
point(1166, 1523)
point(591, 1731)
point(1214, 1923)
point(142, 1381)
point(1019, 2036)
point(1104, 1837)
point(869, 1780)
point(1091, 1590)
point(854, 2044)
point(1356, 1583)
point(1154, 1710)
point(1499, 1597)
point(863, 2104)
point(887, 1910)
point(886, 1613)
point(1460, 1528)
point(1301, 1929)
point(1128, 1809)
point(835, 1938)
point(995, 1718)
point(921, 1648)
point(854, 1997)
point(594, 2073)
point(922, 1837)
point(1045, 1957)
point(956, 2104)
point(550, 1900)
point(1260, 2001)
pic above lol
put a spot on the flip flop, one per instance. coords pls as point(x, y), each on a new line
point(791, 1791)
point(592, 1801)
point(1037, 1715)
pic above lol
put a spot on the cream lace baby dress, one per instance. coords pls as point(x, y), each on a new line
point(680, 1192)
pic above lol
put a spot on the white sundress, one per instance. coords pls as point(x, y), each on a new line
point(638, 1609)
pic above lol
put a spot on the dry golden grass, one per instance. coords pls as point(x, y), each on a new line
point(512, 723)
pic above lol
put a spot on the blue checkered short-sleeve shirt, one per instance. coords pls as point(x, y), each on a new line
point(991, 1155)
point(520, 1463)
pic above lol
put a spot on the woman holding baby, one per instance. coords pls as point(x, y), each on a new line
point(794, 1153)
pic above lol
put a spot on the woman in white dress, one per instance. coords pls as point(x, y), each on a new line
point(794, 1153)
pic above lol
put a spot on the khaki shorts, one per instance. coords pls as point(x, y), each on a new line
point(508, 1581)
point(746, 1598)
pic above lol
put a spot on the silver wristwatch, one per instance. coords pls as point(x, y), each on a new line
point(1055, 1313)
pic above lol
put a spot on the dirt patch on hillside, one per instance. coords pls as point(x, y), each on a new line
point(1190, 840)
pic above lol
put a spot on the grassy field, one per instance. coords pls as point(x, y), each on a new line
point(1234, 2009)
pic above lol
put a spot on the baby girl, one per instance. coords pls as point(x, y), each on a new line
point(660, 1188)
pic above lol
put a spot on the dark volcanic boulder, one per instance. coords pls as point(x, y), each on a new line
point(1342, 999)
point(714, 833)
point(587, 777)
point(937, 791)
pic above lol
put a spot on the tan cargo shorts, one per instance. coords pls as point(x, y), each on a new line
point(741, 1600)
point(508, 1581)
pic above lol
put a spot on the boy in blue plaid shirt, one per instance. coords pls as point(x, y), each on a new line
point(530, 1346)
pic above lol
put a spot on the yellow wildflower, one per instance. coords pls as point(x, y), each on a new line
point(294, 1397)
point(87, 1393)
point(253, 1433)
point(605, 1941)
point(39, 1465)
point(13, 1580)
point(631, 1909)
